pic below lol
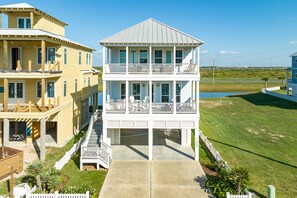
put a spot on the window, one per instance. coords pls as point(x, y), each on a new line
point(65, 88)
point(50, 89)
point(122, 56)
point(133, 57)
point(51, 54)
point(65, 56)
point(123, 90)
point(90, 56)
point(179, 56)
point(38, 56)
point(158, 56)
point(11, 90)
point(75, 85)
point(136, 91)
point(79, 57)
point(178, 90)
point(165, 92)
point(24, 23)
point(143, 56)
point(38, 89)
point(19, 90)
point(89, 81)
point(168, 57)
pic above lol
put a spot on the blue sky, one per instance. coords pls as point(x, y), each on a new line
point(235, 32)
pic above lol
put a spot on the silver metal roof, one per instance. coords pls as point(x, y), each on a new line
point(295, 54)
point(151, 32)
point(17, 5)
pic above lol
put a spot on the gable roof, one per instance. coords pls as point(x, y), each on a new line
point(151, 32)
point(26, 7)
point(24, 33)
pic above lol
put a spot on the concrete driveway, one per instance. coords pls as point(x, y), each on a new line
point(157, 179)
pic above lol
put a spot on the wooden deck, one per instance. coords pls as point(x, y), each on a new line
point(10, 157)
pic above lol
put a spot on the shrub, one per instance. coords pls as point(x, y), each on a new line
point(80, 189)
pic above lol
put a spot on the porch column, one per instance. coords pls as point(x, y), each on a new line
point(193, 55)
point(5, 132)
point(174, 97)
point(5, 95)
point(127, 59)
point(150, 58)
point(198, 61)
point(109, 56)
point(32, 19)
point(197, 97)
point(5, 55)
point(174, 59)
point(42, 55)
point(42, 94)
point(42, 139)
point(150, 142)
point(197, 133)
point(127, 96)
point(151, 97)
point(104, 97)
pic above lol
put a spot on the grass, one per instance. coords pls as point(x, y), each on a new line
point(258, 132)
point(71, 169)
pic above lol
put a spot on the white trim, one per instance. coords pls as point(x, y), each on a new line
point(25, 20)
point(15, 99)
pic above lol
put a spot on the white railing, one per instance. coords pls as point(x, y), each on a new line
point(186, 108)
point(249, 195)
point(61, 163)
point(115, 107)
point(157, 68)
point(162, 107)
point(96, 153)
point(93, 119)
point(57, 195)
point(138, 107)
point(213, 151)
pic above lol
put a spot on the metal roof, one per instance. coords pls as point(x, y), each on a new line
point(295, 54)
point(26, 7)
point(151, 32)
point(36, 32)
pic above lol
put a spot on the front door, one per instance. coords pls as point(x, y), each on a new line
point(16, 91)
point(16, 54)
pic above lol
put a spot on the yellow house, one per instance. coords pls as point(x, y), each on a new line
point(47, 84)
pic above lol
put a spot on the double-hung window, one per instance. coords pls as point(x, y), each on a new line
point(65, 88)
point(158, 56)
point(87, 58)
point(168, 57)
point(75, 85)
point(50, 89)
point(38, 56)
point(143, 56)
point(179, 56)
point(178, 91)
point(51, 54)
point(38, 89)
point(136, 91)
point(122, 56)
point(133, 57)
point(165, 92)
point(79, 57)
point(24, 23)
point(65, 56)
point(123, 90)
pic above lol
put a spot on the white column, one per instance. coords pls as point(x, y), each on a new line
point(109, 55)
point(197, 133)
point(174, 59)
point(127, 59)
point(194, 55)
point(127, 96)
point(150, 141)
point(151, 97)
point(174, 97)
point(5, 132)
point(197, 97)
point(104, 97)
point(42, 139)
point(198, 60)
point(150, 58)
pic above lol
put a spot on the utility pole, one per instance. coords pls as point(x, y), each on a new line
point(213, 62)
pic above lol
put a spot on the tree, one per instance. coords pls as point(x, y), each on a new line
point(282, 78)
point(35, 169)
point(266, 80)
point(241, 178)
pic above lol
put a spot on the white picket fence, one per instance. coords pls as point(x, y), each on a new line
point(59, 164)
point(57, 195)
point(212, 150)
point(249, 195)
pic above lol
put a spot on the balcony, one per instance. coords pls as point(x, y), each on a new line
point(154, 69)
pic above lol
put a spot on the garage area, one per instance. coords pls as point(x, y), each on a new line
point(132, 144)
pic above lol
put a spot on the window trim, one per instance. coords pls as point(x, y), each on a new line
point(158, 58)
point(65, 88)
point(122, 83)
point(147, 56)
point(47, 88)
point(75, 85)
point(79, 57)
point(182, 57)
point(179, 92)
point(25, 20)
point(120, 56)
point(46, 53)
point(161, 95)
point(65, 55)
point(140, 90)
point(37, 89)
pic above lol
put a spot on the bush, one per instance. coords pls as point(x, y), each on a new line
point(80, 189)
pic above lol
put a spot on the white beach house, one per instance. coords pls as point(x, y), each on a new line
point(151, 82)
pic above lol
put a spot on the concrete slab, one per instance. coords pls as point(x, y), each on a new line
point(157, 179)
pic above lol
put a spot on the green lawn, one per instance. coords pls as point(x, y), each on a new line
point(258, 132)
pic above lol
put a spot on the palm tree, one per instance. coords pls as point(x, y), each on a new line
point(282, 78)
point(35, 169)
point(241, 178)
point(266, 80)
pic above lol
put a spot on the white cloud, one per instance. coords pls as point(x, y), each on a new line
point(204, 52)
point(293, 42)
point(225, 52)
